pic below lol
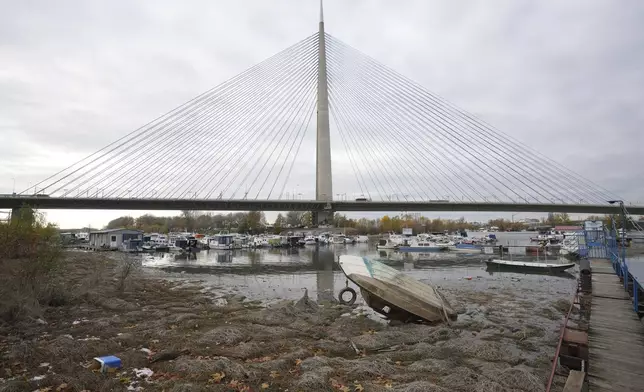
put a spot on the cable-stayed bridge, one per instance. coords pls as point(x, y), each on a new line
point(379, 135)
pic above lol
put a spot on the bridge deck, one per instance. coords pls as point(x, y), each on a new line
point(615, 335)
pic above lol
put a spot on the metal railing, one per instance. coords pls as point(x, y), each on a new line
point(555, 360)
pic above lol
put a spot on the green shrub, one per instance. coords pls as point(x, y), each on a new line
point(30, 266)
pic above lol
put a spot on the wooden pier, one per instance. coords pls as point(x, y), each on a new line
point(615, 334)
point(602, 339)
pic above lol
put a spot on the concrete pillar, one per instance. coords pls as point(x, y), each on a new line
point(323, 263)
point(24, 214)
point(15, 214)
point(324, 188)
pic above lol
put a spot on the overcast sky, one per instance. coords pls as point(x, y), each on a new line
point(565, 77)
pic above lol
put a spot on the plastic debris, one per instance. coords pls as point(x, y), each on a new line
point(106, 364)
point(143, 372)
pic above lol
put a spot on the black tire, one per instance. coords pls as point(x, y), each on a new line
point(350, 302)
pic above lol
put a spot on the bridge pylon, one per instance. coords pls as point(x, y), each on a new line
point(323, 177)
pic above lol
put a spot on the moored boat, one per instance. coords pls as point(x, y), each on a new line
point(338, 239)
point(528, 266)
point(465, 248)
point(221, 241)
point(419, 246)
point(387, 243)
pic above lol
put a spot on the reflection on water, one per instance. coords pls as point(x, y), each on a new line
point(284, 273)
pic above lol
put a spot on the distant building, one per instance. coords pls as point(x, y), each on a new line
point(568, 228)
point(114, 238)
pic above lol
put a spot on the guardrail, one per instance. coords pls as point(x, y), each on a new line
point(555, 360)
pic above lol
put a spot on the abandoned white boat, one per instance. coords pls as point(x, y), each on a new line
point(394, 294)
point(527, 265)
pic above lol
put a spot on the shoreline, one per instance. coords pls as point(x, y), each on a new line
point(502, 341)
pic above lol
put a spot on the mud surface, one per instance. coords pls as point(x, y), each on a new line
point(188, 334)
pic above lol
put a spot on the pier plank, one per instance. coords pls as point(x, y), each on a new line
point(575, 381)
point(615, 335)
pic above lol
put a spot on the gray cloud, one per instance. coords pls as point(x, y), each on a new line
point(562, 77)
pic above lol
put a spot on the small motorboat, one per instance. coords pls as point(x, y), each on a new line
point(338, 239)
point(466, 248)
point(387, 243)
point(349, 240)
point(528, 266)
point(419, 246)
point(310, 240)
point(393, 294)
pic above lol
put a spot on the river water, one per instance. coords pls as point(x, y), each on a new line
point(270, 274)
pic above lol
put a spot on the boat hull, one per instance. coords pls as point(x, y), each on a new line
point(406, 298)
point(527, 266)
point(420, 248)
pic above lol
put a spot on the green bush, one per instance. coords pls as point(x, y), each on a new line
point(30, 266)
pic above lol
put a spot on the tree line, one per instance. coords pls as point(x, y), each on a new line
point(255, 222)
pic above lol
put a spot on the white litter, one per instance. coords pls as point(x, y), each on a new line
point(146, 350)
point(38, 378)
point(143, 372)
point(44, 364)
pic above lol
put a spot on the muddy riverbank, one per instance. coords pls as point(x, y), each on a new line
point(188, 335)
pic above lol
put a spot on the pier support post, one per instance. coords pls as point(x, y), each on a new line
point(636, 290)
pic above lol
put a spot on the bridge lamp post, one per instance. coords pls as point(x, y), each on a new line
point(623, 238)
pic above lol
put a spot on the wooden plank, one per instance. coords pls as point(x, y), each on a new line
point(575, 381)
point(577, 337)
point(615, 336)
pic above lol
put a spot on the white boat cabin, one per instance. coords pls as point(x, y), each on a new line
point(222, 241)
